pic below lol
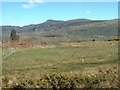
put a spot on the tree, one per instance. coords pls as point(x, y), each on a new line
point(14, 36)
point(93, 40)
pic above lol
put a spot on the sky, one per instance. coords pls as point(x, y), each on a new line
point(62, 0)
point(26, 13)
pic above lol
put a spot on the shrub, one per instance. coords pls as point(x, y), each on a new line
point(104, 79)
point(114, 39)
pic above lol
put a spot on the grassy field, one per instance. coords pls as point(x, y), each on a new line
point(74, 60)
point(60, 59)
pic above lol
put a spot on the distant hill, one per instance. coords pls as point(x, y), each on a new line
point(78, 29)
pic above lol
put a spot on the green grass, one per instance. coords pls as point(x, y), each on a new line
point(42, 61)
point(88, 66)
point(5, 53)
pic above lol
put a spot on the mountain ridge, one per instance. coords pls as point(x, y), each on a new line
point(71, 28)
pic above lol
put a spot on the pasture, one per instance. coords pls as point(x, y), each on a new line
point(69, 58)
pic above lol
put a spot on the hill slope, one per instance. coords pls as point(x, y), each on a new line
point(77, 29)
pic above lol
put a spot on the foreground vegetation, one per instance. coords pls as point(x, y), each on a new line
point(105, 79)
point(65, 66)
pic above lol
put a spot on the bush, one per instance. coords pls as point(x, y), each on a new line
point(114, 39)
point(105, 79)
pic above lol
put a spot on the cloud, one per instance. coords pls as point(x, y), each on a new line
point(38, 1)
point(29, 6)
point(32, 3)
point(88, 12)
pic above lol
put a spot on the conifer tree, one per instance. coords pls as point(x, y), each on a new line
point(14, 36)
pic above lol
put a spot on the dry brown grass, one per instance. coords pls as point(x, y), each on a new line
point(21, 45)
point(90, 43)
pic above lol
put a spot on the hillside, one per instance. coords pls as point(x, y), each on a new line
point(78, 29)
